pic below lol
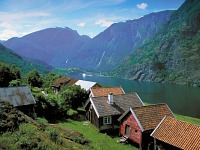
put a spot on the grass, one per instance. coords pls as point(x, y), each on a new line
point(99, 141)
point(188, 119)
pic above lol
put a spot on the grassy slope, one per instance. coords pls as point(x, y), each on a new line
point(98, 140)
point(188, 119)
point(104, 141)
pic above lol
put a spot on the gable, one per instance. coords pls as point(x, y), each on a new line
point(17, 96)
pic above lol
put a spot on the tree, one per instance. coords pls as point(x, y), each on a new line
point(73, 97)
point(34, 79)
point(7, 74)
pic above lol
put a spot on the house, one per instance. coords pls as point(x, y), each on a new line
point(87, 84)
point(138, 123)
point(104, 91)
point(104, 111)
point(63, 81)
point(174, 134)
point(20, 97)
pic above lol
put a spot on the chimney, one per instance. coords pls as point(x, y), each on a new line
point(110, 98)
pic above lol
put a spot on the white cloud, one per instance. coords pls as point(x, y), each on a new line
point(6, 34)
point(20, 15)
point(142, 6)
point(82, 24)
point(103, 22)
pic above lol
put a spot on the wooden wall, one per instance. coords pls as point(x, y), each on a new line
point(135, 134)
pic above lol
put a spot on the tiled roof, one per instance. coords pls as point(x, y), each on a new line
point(121, 104)
point(17, 96)
point(103, 91)
point(178, 133)
point(151, 115)
point(60, 81)
point(85, 84)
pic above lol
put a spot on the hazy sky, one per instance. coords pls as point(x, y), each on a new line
point(89, 17)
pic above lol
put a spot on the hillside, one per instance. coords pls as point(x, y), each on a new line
point(173, 55)
point(108, 49)
point(10, 57)
point(53, 45)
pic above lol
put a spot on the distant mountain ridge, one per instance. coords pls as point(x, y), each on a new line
point(53, 45)
point(9, 57)
point(64, 47)
point(108, 49)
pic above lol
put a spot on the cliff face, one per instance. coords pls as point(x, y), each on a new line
point(173, 55)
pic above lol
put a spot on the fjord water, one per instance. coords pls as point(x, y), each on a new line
point(181, 99)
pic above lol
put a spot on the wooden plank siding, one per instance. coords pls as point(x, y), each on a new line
point(135, 133)
point(114, 125)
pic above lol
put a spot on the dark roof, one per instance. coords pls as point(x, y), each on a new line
point(148, 117)
point(17, 96)
point(121, 104)
point(104, 91)
point(60, 81)
point(178, 133)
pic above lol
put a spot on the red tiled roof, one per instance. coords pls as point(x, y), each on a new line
point(104, 91)
point(121, 104)
point(178, 133)
point(151, 115)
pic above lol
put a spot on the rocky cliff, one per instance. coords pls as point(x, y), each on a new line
point(173, 55)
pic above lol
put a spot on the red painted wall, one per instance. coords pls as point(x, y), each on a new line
point(135, 132)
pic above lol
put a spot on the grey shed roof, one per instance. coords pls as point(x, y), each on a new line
point(17, 96)
point(121, 104)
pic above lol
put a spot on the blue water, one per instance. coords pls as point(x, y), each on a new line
point(181, 99)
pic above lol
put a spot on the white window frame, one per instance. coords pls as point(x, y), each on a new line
point(107, 120)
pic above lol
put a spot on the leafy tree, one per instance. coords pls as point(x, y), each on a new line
point(7, 74)
point(73, 97)
point(34, 79)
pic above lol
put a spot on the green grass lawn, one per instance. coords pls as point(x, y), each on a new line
point(188, 119)
point(100, 141)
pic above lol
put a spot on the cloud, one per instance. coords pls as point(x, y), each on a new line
point(82, 24)
point(5, 34)
point(20, 15)
point(103, 22)
point(142, 6)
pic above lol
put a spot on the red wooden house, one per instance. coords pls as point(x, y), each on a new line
point(174, 134)
point(138, 123)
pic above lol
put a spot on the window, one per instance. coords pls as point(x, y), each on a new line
point(107, 120)
point(127, 130)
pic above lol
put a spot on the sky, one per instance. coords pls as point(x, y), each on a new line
point(87, 17)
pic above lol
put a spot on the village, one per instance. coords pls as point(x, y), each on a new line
point(110, 109)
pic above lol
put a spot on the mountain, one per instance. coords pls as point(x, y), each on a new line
point(53, 45)
point(11, 58)
point(173, 55)
point(108, 49)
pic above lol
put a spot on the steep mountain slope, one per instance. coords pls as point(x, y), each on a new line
point(53, 46)
point(173, 55)
point(9, 57)
point(107, 50)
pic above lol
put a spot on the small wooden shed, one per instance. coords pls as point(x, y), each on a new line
point(20, 97)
